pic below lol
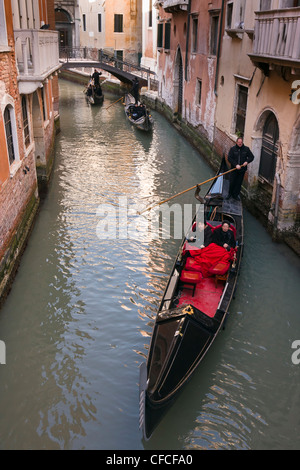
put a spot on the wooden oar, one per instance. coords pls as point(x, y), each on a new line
point(186, 190)
point(114, 102)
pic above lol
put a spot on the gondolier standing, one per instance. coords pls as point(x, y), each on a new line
point(239, 157)
point(135, 90)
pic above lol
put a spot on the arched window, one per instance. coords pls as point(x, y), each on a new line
point(8, 115)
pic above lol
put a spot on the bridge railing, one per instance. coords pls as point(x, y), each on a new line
point(106, 57)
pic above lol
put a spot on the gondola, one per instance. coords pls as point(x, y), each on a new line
point(92, 95)
point(193, 308)
point(138, 115)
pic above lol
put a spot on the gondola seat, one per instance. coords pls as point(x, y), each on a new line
point(190, 279)
point(192, 265)
point(220, 271)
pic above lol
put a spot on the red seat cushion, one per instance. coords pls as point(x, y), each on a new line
point(190, 277)
point(192, 265)
point(219, 268)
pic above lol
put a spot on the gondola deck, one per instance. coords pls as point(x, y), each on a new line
point(206, 297)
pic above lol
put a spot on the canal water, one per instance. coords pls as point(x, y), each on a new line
point(78, 320)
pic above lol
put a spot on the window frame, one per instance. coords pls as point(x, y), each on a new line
point(195, 29)
point(9, 107)
point(25, 121)
point(238, 113)
point(214, 33)
point(118, 23)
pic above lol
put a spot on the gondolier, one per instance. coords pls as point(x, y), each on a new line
point(135, 90)
point(239, 157)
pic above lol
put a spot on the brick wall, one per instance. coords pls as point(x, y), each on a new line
point(18, 186)
point(222, 142)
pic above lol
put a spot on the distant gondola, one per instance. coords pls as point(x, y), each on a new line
point(193, 308)
point(138, 115)
point(94, 94)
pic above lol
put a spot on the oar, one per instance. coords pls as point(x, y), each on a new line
point(186, 190)
point(114, 102)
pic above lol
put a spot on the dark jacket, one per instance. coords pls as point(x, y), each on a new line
point(239, 155)
point(220, 237)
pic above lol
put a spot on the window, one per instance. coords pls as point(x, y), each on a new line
point(242, 97)
point(265, 5)
point(195, 34)
point(25, 121)
point(214, 23)
point(3, 33)
point(150, 14)
point(167, 35)
point(99, 23)
point(44, 102)
point(241, 14)
point(9, 134)
point(199, 92)
point(118, 24)
point(160, 35)
point(84, 22)
point(229, 15)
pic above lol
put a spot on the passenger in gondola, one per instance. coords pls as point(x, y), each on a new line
point(223, 236)
point(142, 110)
point(89, 90)
point(134, 112)
point(205, 233)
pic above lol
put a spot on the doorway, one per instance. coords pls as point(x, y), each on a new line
point(269, 149)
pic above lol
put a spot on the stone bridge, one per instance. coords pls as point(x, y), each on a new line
point(99, 59)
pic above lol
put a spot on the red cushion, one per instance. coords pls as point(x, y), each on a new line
point(192, 265)
point(219, 268)
point(191, 277)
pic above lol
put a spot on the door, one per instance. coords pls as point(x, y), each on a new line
point(269, 149)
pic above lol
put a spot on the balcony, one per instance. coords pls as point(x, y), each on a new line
point(277, 39)
point(171, 6)
point(37, 57)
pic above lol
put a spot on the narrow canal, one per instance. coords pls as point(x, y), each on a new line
point(78, 320)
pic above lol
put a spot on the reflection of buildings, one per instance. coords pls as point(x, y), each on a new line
point(29, 116)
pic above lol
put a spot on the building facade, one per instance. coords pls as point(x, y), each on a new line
point(67, 23)
point(115, 26)
point(259, 75)
point(188, 55)
point(232, 68)
point(29, 109)
point(149, 35)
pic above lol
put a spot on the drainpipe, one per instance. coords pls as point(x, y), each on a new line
point(219, 46)
point(187, 39)
point(276, 209)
